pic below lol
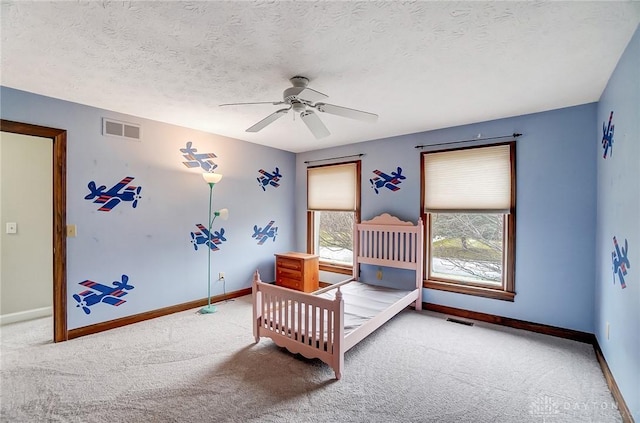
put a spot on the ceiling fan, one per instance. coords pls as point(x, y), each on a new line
point(302, 99)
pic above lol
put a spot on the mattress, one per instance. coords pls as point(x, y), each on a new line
point(362, 302)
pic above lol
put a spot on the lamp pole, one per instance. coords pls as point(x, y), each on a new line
point(211, 179)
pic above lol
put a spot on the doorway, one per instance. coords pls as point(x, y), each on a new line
point(59, 139)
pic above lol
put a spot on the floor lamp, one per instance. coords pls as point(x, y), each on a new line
point(211, 179)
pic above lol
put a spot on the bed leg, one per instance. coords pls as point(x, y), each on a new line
point(257, 304)
point(338, 375)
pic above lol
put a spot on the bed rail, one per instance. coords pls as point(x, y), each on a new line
point(302, 323)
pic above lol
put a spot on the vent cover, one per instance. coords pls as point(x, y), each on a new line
point(462, 322)
point(114, 128)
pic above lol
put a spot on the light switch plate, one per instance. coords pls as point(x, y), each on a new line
point(72, 231)
point(12, 227)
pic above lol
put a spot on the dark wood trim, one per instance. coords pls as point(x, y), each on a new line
point(112, 324)
point(311, 233)
point(495, 294)
point(510, 251)
point(613, 386)
point(59, 138)
point(334, 268)
point(574, 335)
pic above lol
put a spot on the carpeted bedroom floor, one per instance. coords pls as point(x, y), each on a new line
point(189, 367)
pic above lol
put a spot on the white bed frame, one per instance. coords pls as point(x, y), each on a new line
point(314, 326)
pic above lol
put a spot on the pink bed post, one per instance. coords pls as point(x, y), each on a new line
point(338, 336)
point(419, 263)
point(356, 252)
point(256, 305)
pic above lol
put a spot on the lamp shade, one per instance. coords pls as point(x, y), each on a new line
point(222, 214)
point(212, 178)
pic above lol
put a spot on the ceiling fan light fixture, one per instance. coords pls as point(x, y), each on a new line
point(299, 97)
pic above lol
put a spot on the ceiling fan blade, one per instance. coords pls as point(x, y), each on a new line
point(275, 103)
point(314, 124)
point(268, 120)
point(311, 95)
point(346, 112)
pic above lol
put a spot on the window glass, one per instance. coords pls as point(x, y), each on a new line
point(335, 237)
point(467, 248)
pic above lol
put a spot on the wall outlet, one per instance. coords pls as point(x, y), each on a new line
point(220, 276)
point(379, 274)
point(607, 330)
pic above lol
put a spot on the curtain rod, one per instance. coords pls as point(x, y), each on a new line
point(514, 135)
point(334, 158)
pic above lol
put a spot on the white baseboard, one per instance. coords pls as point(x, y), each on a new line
point(22, 316)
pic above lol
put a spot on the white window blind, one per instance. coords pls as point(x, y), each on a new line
point(473, 180)
point(332, 187)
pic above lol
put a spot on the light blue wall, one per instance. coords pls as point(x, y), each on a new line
point(151, 243)
point(619, 215)
point(556, 198)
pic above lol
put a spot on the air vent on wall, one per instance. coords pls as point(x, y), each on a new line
point(114, 128)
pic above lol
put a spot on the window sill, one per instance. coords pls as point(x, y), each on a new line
point(470, 290)
point(345, 270)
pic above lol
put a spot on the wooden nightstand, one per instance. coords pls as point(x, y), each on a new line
point(297, 271)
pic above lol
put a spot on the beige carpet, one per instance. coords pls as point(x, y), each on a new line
point(189, 367)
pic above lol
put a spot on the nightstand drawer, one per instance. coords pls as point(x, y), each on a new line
point(289, 264)
point(289, 283)
point(287, 272)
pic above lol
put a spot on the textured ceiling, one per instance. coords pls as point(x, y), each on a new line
point(418, 65)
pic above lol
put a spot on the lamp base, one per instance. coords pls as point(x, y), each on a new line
point(208, 309)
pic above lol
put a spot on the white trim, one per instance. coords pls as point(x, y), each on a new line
point(22, 316)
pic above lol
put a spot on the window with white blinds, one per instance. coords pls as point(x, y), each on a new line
point(332, 187)
point(474, 180)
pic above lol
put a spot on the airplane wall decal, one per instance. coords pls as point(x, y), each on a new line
point(607, 137)
point(112, 197)
point(203, 236)
point(620, 259)
point(269, 178)
point(202, 160)
point(99, 293)
point(262, 235)
point(385, 181)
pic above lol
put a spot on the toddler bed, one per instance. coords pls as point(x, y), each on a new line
point(326, 323)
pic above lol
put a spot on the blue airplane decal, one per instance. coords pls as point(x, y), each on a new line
point(385, 181)
point(269, 178)
point(607, 137)
point(202, 160)
point(203, 236)
point(99, 293)
point(112, 197)
point(262, 235)
point(620, 260)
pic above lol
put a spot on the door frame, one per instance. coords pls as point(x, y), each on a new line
point(59, 138)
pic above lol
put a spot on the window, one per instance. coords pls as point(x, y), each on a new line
point(469, 209)
point(333, 208)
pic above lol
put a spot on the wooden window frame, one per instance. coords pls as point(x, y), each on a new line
point(311, 235)
point(506, 291)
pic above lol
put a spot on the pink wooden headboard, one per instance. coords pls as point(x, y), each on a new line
point(386, 240)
